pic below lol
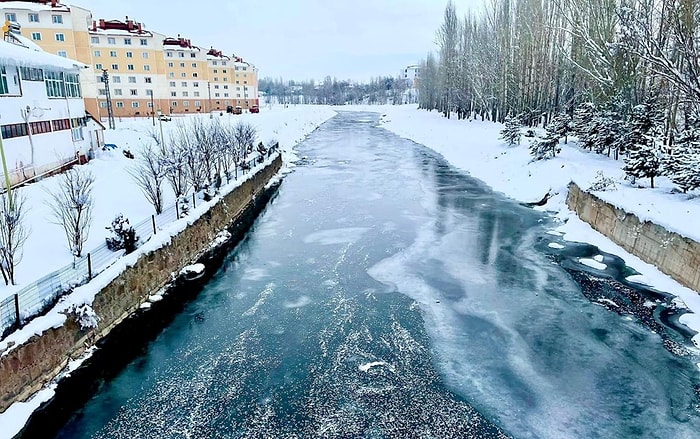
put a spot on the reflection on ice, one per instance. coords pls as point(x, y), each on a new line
point(336, 236)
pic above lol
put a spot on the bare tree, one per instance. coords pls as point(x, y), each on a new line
point(13, 233)
point(149, 174)
point(175, 162)
point(245, 134)
point(71, 205)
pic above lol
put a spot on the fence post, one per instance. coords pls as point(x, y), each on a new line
point(193, 200)
point(177, 210)
point(17, 310)
point(89, 258)
point(153, 220)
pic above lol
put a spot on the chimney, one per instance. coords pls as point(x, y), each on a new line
point(140, 29)
point(102, 23)
point(94, 25)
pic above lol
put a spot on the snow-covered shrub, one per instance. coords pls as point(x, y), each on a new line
point(86, 317)
point(545, 148)
point(121, 235)
point(183, 203)
point(602, 183)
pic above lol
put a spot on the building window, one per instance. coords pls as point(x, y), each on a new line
point(134, 104)
point(186, 103)
point(144, 42)
point(183, 75)
point(173, 94)
point(225, 95)
point(36, 36)
point(129, 54)
point(111, 40)
point(149, 92)
point(33, 17)
point(216, 71)
point(216, 95)
point(113, 53)
point(146, 68)
point(225, 79)
point(147, 79)
point(117, 92)
point(115, 66)
point(216, 86)
point(40, 127)
point(185, 94)
point(223, 71)
point(194, 75)
point(182, 65)
point(225, 87)
point(116, 79)
point(11, 17)
point(173, 83)
point(214, 63)
point(193, 55)
point(60, 37)
point(57, 19)
point(98, 66)
point(195, 84)
point(132, 79)
point(61, 124)
point(150, 104)
point(120, 104)
point(14, 130)
point(144, 55)
point(169, 54)
point(194, 65)
point(133, 92)
point(62, 53)
point(103, 104)
point(130, 67)
point(184, 83)
point(32, 74)
point(127, 41)
point(77, 133)
point(72, 85)
point(55, 88)
point(96, 53)
point(196, 94)
point(216, 78)
point(95, 40)
point(181, 54)
point(9, 86)
point(171, 74)
point(173, 103)
point(197, 104)
point(170, 64)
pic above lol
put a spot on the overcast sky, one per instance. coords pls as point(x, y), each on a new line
point(298, 39)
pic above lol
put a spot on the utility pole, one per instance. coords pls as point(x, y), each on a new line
point(209, 90)
point(110, 113)
point(153, 110)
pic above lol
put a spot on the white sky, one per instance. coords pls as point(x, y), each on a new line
point(298, 39)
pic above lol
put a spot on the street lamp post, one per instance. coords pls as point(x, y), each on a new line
point(209, 90)
point(153, 110)
point(162, 139)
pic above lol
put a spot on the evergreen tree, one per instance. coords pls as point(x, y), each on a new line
point(682, 164)
point(511, 131)
point(585, 125)
point(644, 159)
point(561, 125)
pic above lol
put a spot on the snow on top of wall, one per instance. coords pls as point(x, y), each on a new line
point(13, 54)
point(33, 6)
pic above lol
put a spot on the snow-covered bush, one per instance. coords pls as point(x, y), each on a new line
point(545, 147)
point(602, 183)
point(184, 205)
point(86, 317)
point(511, 130)
point(121, 235)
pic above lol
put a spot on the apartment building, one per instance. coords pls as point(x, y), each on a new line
point(132, 57)
point(146, 71)
point(44, 123)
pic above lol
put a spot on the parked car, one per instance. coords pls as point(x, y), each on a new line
point(165, 118)
point(229, 109)
point(254, 109)
point(238, 110)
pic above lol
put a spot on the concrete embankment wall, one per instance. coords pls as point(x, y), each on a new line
point(27, 368)
point(673, 254)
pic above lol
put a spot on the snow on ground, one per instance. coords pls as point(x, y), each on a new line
point(115, 191)
point(475, 147)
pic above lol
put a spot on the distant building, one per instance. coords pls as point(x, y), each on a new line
point(411, 74)
point(44, 123)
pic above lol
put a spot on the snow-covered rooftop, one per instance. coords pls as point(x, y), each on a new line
point(30, 6)
point(14, 54)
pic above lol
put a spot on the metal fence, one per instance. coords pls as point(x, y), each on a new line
point(37, 297)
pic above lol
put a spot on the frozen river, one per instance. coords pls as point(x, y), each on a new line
point(385, 294)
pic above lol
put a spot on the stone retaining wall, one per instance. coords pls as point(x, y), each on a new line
point(27, 368)
point(673, 254)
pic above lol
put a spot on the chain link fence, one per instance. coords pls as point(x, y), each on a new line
point(40, 295)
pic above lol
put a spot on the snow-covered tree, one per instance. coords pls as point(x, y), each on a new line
point(511, 130)
point(682, 163)
point(13, 233)
point(585, 125)
point(560, 125)
point(546, 147)
point(645, 142)
point(149, 173)
point(71, 206)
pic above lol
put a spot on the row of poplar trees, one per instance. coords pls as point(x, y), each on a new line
point(622, 75)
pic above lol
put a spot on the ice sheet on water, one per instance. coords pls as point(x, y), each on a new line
point(556, 245)
point(593, 263)
point(345, 235)
point(298, 303)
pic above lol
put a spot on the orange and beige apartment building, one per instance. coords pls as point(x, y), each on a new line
point(145, 71)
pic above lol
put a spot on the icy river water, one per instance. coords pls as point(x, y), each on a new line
point(385, 294)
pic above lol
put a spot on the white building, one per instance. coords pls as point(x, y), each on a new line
point(43, 121)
